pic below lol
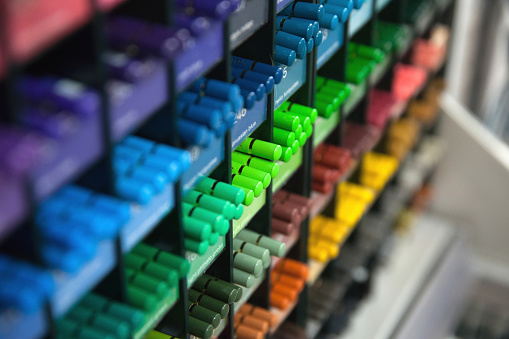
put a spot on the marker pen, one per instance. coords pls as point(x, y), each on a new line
point(175, 262)
point(197, 25)
point(341, 12)
point(200, 328)
point(192, 133)
point(225, 107)
point(247, 263)
point(286, 290)
point(220, 190)
point(118, 208)
point(246, 332)
point(124, 68)
point(275, 247)
point(285, 121)
point(318, 38)
point(298, 131)
point(208, 302)
point(205, 315)
point(305, 121)
point(358, 3)
point(260, 148)
point(285, 55)
point(154, 269)
point(325, 109)
point(317, 253)
point(211, 203)
point(64, 259)
point(279, 301)
point(69, 327)
point(293, 268)
point(101, 321)
point(274, 71)
point(58, 231)
point(217, 221)
point(329, 20)
point(368, 52)
point(341, 94)
point(156, 177)
point(253, 322)
point(294, 283)
point(258, 163)
point(309, 45)
point(239, 211)
point(196, 229)
point(249, 98)
point(20, 296)
point(252, 173)
point(199, 247)
point(259, 313)
point(217, 89)
point(57, 125)
point(295, 147)
point(281, 226)
point(308, 131)
point(304, 10)
point(286, 154)
point(215, 288)
point(315, 23)
point(334, 101)
point(300, 109)
point(289, 214)
point(147, 283)
point(135, 317)
point(66, 94)
point(243, 278)
point(182, 156)
point(213, 238)
point(321, 81)
point(93, 221)
point(283, 137)
point(252, 86)
point(294, 42)
point(249, 183)
point(298, 28)
point(253, 250)
point(266, 80)
point(201, 114)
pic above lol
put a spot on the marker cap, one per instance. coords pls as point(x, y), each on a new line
point(215, 288)
point(204, 314)
point(249, 98)
point(217, 221)
point(197, 247)
point(200, 328)
point(286, 155)
point(209, 202)
point(196, 229)
point(261, 148)
point(261, 164)
point(247, 263)
point(300, 109)
point(173, 261)
point(192, 133)
point(239, 212)
point(259, 67)
point(220, 190)
point(285, 56)
point(249, 183)
point(298, 28)
point(243, 278)
point(283, 137)
point(141, 299)
point(318, 38)
point(295, 147)
point(147, 283)
point(252, 173)
point(252, 86)
point(285, 121)
point(275, 247)
point(253, 250)
point(309, 45)
point(134, 189)
point(209, 302)
point(330, 21)
point(324, 109)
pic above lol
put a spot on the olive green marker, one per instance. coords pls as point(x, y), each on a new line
point(275, 247)
point(208, 302)
point(261, 164)
point(135, 317)
point(220, 190)
point(181, 265)
point(286, 121)
point(295, 147)
point(196, 229)
point(287, 154)
point(300, 109)
point(212, 287)
point(283, 137)
point(154, 269)
point(247, 263)
point(260, 148)
point(200, 328)
point(102, 321)
point(147, 283)
point(239, 212)
point(239, 293)
point(217, 221)
point(204, 314)
point(243, 278)
point(251, 172)
point(199, 247)
point(253, 250)
point(242, 181)
point(213, 238)
point(221, 206)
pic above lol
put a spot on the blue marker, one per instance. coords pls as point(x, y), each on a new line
point(291, 41)
point(274, 71)
point(316, 24)
point(256, 87)
point(304, 10)
point(19, 296)
point(230, 120)
point(120, 209)
point(330, 21)
point(183, 156)
point(309, 45)
point(170, 166)
point(218, 89)
point(319, 39)
point(192, 133)
point(133, 189)
point(341, 12)
point(299, 28)
point(249, 98)
point(266, 80)
point(199, 113)
point(224, 106)
point(68, 261)
point(75, 193)
point(358, 3)
point(285, 56)
point(348, 4)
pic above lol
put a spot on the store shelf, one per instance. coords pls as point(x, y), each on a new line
point(281, 315)
point(249, 213)
point(359, 17)
point(286, 170)
point(324, 127)
point(294, 77)
point(200, 263)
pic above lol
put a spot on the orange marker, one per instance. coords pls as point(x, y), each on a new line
point(285, 290)
point(279, 301)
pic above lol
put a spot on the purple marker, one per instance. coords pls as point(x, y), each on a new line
point(127, 69)
point(66, 94)
point(196, 25)
point(56, 125)
point(21, 150)
point(215, 8)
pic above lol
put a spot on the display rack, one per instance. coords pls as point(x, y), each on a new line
point(160, 223)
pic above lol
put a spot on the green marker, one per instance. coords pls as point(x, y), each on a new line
point(173, 261)
point(283, 137)
point(275, 247)
point(239, 293)
point(321, 81)
point(154, 269)
point(249, 183)
point(253, 250)
point(196, 229)
point(102, 321)
point(325, 109)
point(260, 148)
point(215, 288)
point(309, 131)
point(206, 315)
point(253, 173)
point(286, 121)
point(334, 101)
point(200, 328)
point(214, 237)
point(135, 317)
point(249, 196)
point(158, 335)
point(195, 246)
point(341, 94)
point(82, 331)
point(287, 154)
point(295, 147)
point(147, 283)
point(368, 52)
point(208, 302)
point(304, 120)
point(217, 221)
point(224, 207)
point(243, 278)
point(239, 212)
point(247, 263)
point(356, 74)
point(261, 164)
point(300, 109)
point(220, 190)
point(302, 139)
point(141, 299)
point(298, 131)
